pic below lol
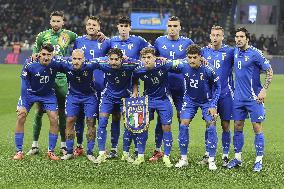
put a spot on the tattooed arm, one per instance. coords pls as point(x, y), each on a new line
point(268, 79)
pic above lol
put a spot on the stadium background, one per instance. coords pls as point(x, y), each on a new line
point(22, 20)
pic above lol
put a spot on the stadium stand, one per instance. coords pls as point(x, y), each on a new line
point(22, 20)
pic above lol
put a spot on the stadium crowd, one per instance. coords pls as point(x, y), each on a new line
point(196, 16)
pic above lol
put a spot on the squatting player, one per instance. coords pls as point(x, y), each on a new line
point(154, 73)
point(118, 73)
point(38, 79)
point(81, 96)
point(202, 90)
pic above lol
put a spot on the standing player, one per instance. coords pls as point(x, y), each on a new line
point(171, 46)
point(203, 89)
point(38, 79)
point(222, 57)
point(93, 48)
point(61, 40)
point(131, 46)
point(81, 96)
point(155, 76)
point(249, 95)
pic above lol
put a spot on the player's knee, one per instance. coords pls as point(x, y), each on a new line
point(257, 127)
point(103, 121)
point(116, 116)
point(91, 133)
point(53, 119)
point(167, 128)
point(71, 120)
point(70, 134)
point(239, 125)
point(210, 123)
point(21, 116)
point(225, 125)
point(90, 122)
point(185, 122)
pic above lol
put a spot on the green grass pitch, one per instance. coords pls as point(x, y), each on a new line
point(39, 172)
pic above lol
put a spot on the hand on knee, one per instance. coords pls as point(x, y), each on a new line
point(167, 128)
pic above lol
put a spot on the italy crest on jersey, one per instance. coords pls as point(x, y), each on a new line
point(136, 114)
point(63, 39)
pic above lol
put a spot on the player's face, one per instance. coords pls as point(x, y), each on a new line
point(123, 30)
point(173, 28)
point(56, 23)
point(241, 39)
point(149, 60)
point(115, 61)
point(92, 27)
point(216, 37)
point(45, 57)
point(77, 59)
point(194, 60)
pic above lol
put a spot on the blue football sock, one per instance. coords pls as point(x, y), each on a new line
point(115, 132)
point(69, 145)
point(226, 141)
point(102, 133)
point(183, 139)
point(134, 137)
point(212, 140)
point(141, 141)
point(52, 141)
point(127, 137)
point(19, 140)
point(158, 134)
point(79, 128)
point(90, 146)
point(259, 144)
point(205, 140)
point(168, 141)
point(238, 141)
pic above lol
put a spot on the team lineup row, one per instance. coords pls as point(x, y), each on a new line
point(190, 84)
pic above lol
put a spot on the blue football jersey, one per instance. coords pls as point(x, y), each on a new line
point(118, 81)
point(94, 49)
point(223, 61)
point(130, 47)
point(155, 80)
point(80, 82)
point(38, 79)
point(202, 84)
point(173, 49)
point(247, 67)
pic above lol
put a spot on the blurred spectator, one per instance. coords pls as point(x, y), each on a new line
point(22, 20)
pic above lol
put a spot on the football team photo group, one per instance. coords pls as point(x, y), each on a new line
point(97, 89)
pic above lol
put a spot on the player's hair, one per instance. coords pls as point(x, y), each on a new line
point(57, 13)
point(243, 29)
point(193, 49)
point(78, 50)
point(217, 28)
point(147, 50)
point(116, 51)
point(47, 46)
point(95, 18)
point(174, 18)
point(124, 20)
